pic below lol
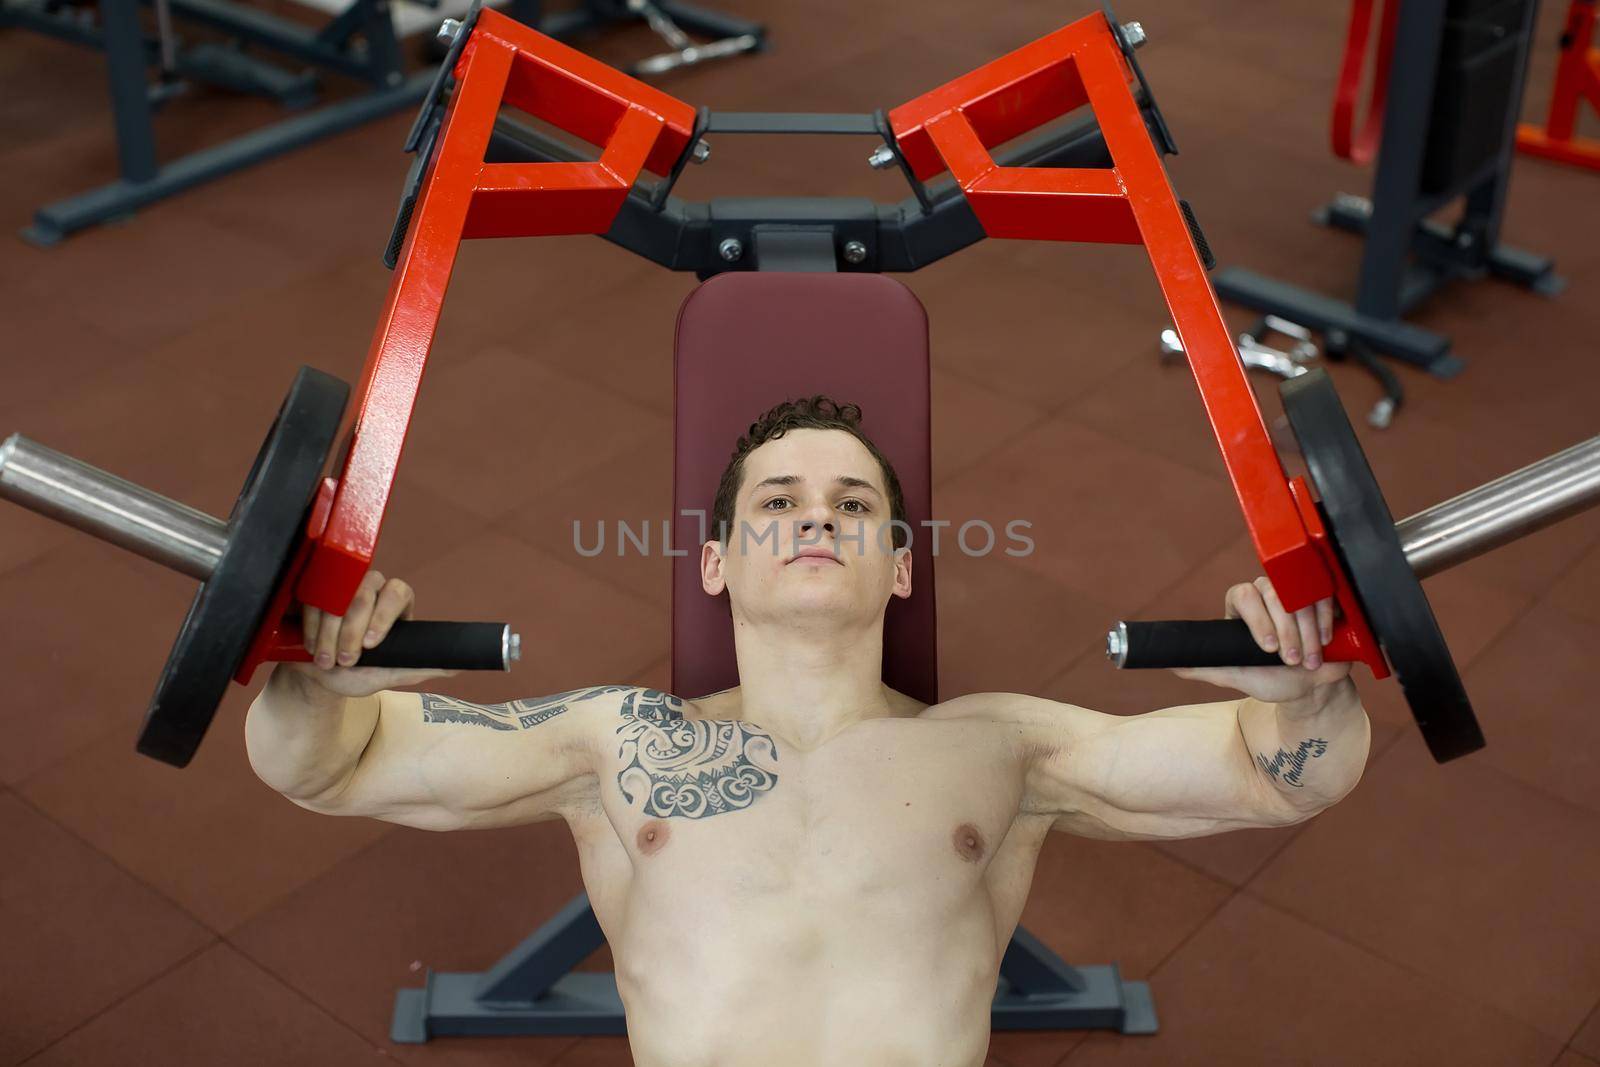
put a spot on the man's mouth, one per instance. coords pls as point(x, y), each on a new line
point(816, 556)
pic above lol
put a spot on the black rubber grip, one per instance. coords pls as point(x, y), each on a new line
point(1201, 245)
point(450, 646)
point(1194, 643)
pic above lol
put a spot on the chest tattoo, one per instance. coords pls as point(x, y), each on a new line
point(517, 715)
point(691, 768)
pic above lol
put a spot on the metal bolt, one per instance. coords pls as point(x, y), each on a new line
point(394, 77)
point(882, 158)
point(854, 251)
point(701, 153)
point(1133, 33)
point(449, 30)
point(731, 249)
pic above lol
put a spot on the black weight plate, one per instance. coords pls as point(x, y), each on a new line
point(1362, 531)
point(263, 530)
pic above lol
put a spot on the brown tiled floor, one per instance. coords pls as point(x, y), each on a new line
point(1442, 915)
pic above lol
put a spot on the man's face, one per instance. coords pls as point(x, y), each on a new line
point(811, 534)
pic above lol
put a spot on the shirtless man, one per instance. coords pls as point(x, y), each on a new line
point(810, 868)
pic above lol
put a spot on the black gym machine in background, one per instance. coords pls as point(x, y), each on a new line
point(1454, 94)
point(359, 42)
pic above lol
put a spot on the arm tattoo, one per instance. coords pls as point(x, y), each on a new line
point(693, 768)
point(517, 715)
point(1295, 761)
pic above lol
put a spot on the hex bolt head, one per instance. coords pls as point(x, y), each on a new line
point(731, 249)
point(882, 158)
point(449, 30)
point(1134, 34)
point(854, 251)
point(701, 153)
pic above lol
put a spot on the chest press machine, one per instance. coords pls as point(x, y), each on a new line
point(786, 276)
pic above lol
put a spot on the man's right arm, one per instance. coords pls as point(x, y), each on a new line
point(424, 760)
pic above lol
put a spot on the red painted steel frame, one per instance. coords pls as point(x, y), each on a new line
point(953, 127)
point(504, 62)
point(950, 128)
point(1359, 146)
point(1577, 79)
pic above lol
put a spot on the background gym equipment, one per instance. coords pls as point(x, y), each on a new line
point(358, 43)
point(1446, 89)
point(1385, 562)
point(240, 563)
point(667, 19)
point(1577, 81)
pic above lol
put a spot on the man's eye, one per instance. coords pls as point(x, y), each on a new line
point(855, 506)
point(776, 501)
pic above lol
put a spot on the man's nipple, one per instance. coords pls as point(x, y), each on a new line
point(652, 837)
point(969, 842)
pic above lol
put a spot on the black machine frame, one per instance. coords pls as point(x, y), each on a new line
point(1407, 257)
point(359, 42)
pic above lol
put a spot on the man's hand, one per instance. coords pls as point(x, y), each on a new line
point(1297, 637)
point(337, 640)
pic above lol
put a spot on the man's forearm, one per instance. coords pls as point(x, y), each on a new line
point(1313, 750)
point(304, 740)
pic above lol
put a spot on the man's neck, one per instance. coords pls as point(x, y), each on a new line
point(805, 686)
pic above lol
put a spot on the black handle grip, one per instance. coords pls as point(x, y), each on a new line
point(450, 646)
point(1187, 643)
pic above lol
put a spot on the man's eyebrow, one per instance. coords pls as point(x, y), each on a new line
point(846, 480)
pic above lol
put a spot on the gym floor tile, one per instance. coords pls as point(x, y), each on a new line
point(156, 425)
point(50, 352)
point(1045, 332)
point(1534, 694)
point(632, 491)
point(223, 860)
point(1102, 513)
point(420, 526)
point(202, 268)
point(1031, 1048)
point(413, 902)
point(597, 1052)
point(615, 334)
point(217, 1007)
point(1001, 627)
point(330, 191)
point(1256, 985)
point(1570, 1058)
point(79, 933)
point(1587, 1040)
point(1123, 902)
point(324, 319)
point(1458, 873)
point(482, 438)
point(1577, 591)
point(973, 420)
point(603, 635)
point(90, 629)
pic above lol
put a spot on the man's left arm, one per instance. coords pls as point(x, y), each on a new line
point(1296, 743)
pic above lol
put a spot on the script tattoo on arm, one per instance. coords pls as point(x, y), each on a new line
point(517, 715)
point(672, 766)
point(1289, 767)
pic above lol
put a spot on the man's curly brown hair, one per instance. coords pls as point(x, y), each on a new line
point(808, 413)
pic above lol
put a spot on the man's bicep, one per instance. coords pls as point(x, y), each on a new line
point(1177, 772)
point(438, 762)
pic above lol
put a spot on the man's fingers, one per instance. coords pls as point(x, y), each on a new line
point(1325, 619)
point(1310, 640)
point(395, 597)
point(1282, 621)
point(310, 620)
point(357, 618)
point(1244, 602)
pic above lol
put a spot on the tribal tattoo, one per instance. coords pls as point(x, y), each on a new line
point(1295, 761)
point(694, 768)
point(517, 715)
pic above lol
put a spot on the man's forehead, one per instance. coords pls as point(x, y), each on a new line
point(812, 455)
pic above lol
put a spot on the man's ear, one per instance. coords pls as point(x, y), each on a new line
point(711, 579)
point(902, 572)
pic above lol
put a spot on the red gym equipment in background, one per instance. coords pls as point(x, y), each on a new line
point(1577, 81)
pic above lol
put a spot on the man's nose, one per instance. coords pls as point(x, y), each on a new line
point(817, 515)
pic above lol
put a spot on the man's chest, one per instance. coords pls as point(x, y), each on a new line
point(875, 805)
